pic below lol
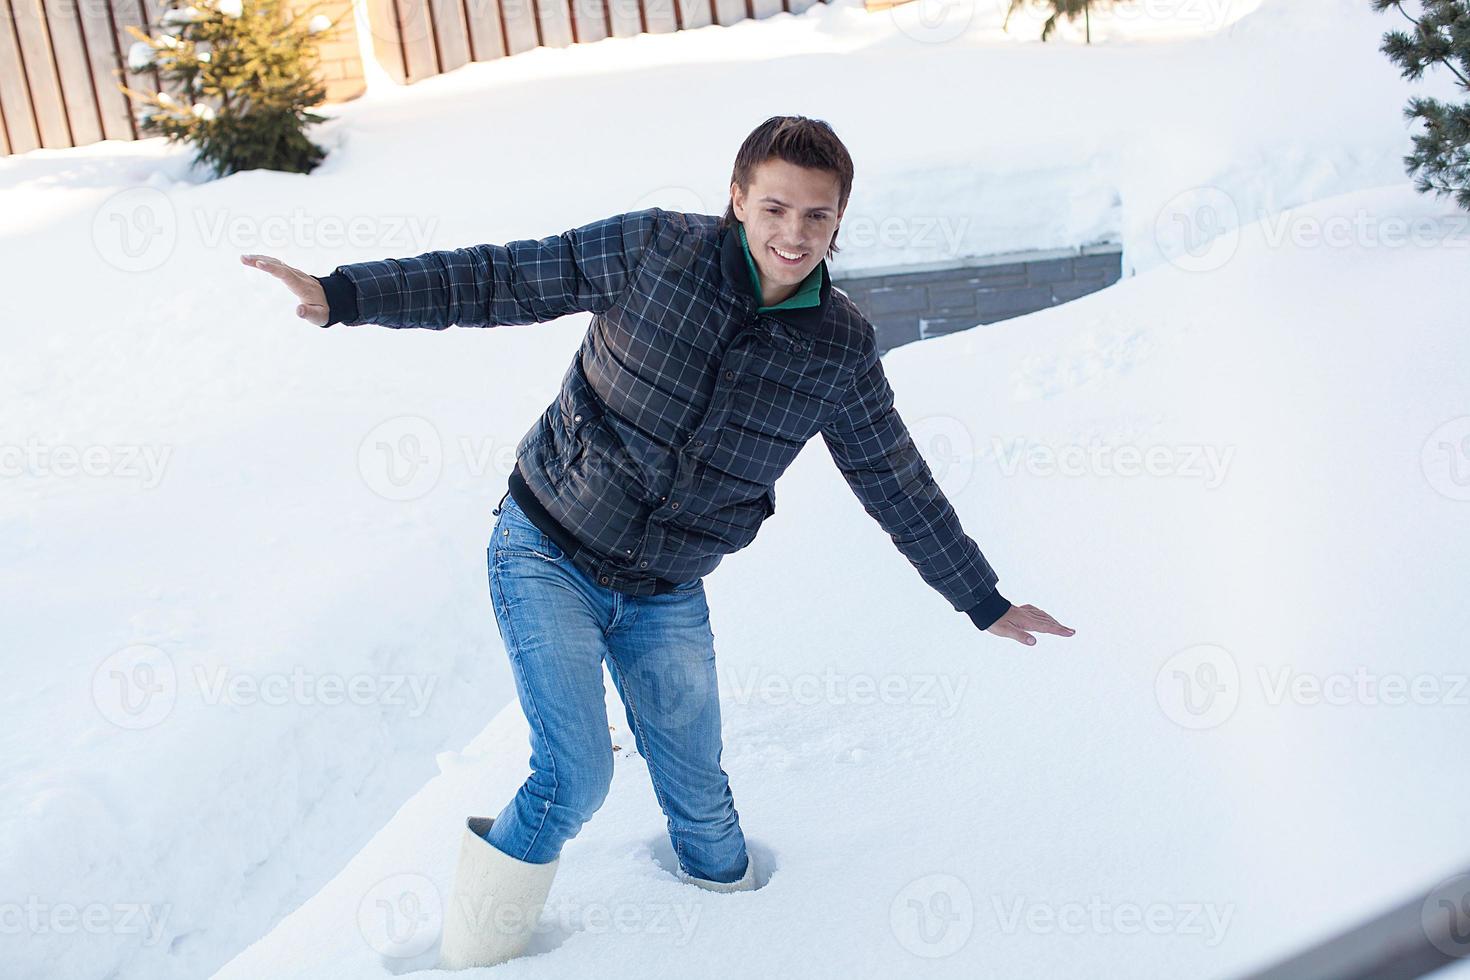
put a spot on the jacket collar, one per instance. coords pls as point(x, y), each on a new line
point(807, 319)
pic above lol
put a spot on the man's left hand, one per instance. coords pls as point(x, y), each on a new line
point(1018, 619)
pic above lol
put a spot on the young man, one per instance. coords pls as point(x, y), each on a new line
point(717, 349)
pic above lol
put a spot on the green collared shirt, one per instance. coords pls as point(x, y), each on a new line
point(809, 293)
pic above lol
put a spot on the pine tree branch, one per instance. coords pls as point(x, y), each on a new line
point(1432, 59)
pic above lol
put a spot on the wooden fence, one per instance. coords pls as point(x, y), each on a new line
point(61, 60)
point(415, 39)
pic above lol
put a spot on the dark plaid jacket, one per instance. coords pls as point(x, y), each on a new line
point(683, 405)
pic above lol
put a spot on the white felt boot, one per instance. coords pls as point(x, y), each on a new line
point(496, 903)
point(745, 883)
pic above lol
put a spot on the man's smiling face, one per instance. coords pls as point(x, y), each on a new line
point(789, 211)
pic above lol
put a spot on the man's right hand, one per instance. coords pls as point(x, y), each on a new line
point(313, 305)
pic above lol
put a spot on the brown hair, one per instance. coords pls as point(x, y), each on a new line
point(799, 141)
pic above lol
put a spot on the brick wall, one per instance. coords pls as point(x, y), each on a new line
point(909, 304)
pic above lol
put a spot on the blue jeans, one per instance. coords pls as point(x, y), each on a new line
point(558, 626)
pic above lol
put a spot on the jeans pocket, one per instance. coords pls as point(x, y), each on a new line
point(516, 536)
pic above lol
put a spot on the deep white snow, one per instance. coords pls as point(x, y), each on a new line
point(255, 682)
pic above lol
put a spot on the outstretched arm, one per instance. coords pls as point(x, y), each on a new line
point(525, 281)
point(876, 454)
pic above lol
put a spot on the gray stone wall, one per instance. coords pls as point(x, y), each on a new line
point(913, 303)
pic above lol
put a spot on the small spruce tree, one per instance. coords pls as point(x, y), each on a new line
point(237, 80)
point(1440, 162)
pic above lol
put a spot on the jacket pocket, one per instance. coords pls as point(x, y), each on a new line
point(575, 414)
